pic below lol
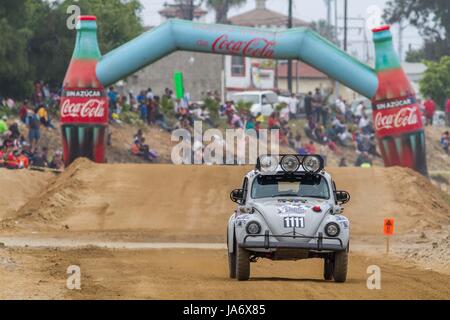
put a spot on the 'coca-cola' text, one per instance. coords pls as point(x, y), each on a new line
point(397, 121)
point(256, 47)
point(83, 110)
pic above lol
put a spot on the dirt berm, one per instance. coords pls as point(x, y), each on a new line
point(192, 202)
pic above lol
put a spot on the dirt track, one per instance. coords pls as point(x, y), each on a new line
point(91, 204)
point(201, 274)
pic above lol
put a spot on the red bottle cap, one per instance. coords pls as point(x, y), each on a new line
point(87, 18)
point(381, 28)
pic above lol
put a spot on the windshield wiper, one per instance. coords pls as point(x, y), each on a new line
point(285, 195)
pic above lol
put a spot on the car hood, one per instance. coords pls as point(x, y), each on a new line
point(278, 214)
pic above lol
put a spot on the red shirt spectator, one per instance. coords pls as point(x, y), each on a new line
point(447, 106)
point(311, 148)
point(430, 108)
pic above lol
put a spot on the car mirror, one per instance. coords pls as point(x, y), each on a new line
point(237, 196)
point(342, 197)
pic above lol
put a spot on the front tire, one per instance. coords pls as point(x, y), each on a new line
point(340, 266)
point(232, 262)
point(242, 264)
point(328, 265)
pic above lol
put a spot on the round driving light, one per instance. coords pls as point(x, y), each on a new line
point(290, 163)
point(332, 229)
point(268, 163)
point(253, 227)
point(312, 164)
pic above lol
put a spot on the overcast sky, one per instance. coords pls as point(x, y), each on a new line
point(308, 10)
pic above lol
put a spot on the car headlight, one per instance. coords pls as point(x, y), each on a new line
point(290, 163)
point(268, 163)
point(312, 164)
point(253, 227)
point(332, 229)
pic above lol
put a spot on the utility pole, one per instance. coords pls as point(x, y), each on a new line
point(400, 39)
point(290, 61)
point(336, 36)
point(191, 10)
point(345, 23)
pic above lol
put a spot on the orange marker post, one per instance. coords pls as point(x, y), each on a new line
point(388, 231)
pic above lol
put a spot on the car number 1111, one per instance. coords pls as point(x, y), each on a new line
point(294, 222)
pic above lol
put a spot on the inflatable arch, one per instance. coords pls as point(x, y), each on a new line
point(301, 43)
point(84, 106)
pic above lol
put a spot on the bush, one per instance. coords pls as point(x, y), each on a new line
point(131, 118)
point(243, 107)
point(212, 105)
point(167, 107)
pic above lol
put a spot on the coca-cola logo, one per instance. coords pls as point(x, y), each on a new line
point(404, 117)
point(256, 47)
point(92, 108)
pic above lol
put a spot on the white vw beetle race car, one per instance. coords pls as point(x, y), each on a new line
point(289, 209)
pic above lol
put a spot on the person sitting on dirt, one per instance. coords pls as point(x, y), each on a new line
point(363, 160)
point(343, 162)
point(311, 148)
point(57, 162)
point(320, 135)
point(236, 121)
point(260, 118)
point(445, 141)
point(17, 160)
point(38, 159)
point(138, 137)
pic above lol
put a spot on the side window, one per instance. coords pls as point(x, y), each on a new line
point(334, 192)
point(245, 187)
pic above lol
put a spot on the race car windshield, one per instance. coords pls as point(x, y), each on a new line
point(307, 186)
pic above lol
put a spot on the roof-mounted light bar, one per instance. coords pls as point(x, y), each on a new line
point(290, 163)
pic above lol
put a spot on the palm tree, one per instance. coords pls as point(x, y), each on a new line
point(221, 7)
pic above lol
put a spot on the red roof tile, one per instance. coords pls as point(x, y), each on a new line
point(303, 70)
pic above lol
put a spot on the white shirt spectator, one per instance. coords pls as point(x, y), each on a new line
point(340, 105)
point(363, 122)
point(284, 113)
point(293, 103)
point(359, 110)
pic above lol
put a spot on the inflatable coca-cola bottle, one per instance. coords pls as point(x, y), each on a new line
point(396, 114)
point(84, 105)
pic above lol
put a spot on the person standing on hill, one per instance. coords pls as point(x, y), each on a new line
point(293, 103)
point(317, 103)
point(430, 109)
point(447, 112)
point(34, 134)
point(308, 105)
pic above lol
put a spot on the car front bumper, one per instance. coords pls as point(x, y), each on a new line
point(316, 243)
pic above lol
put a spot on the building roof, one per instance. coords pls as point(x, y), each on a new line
point(303, 71)
point(175, 11)
point(261, 16)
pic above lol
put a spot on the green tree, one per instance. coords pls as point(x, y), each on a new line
point(36, 44)
point(14, 36)
point(414, 55)
point(436, 80)
point(221, 7)
point(432, 19)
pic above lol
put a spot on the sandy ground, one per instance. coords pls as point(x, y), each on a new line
point(162, 229)
point(200, 274)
